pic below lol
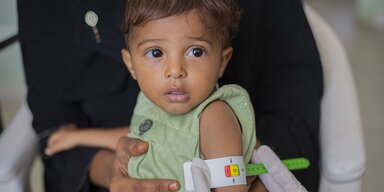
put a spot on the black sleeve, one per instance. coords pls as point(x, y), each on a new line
point(277, 61)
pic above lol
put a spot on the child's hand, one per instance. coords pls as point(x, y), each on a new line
point(65, 138)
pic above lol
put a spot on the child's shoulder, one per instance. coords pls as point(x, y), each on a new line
point(230, 93)
point(231, 89)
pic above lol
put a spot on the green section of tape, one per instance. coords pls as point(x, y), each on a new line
point(291, 164)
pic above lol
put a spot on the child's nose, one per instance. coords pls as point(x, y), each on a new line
point(175, 69)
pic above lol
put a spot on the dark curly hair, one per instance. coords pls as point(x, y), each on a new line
point(221, 17)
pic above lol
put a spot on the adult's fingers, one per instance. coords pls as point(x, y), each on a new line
point(125, 149)
point(131, 147)
point(121, 182)
point(257, 186)
point(125, 184)
point(268, 180)
point(201, 175)
point(278, 178)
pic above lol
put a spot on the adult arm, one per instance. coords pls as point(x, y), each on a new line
point(109, 170)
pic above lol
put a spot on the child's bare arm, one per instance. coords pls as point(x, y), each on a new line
point(220, 135)
point(70, 136)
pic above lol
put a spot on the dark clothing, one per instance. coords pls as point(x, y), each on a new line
point(61, 56)
point(73, 79)
point(67, 171)
point(275, 58)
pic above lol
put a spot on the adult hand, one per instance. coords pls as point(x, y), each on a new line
point(201, 175)
point(201, 178)
point(278, 178)
point(120, 181)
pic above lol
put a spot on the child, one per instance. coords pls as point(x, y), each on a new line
point(177, 50)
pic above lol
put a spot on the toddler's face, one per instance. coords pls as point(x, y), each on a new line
point(176, 61)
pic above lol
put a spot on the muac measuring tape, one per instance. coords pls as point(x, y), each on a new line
point(291, 164)
point(229, 171)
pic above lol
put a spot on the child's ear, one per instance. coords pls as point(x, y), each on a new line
point(128, 62)
point(226, 55)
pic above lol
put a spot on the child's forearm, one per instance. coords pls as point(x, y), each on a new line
point(102, 138)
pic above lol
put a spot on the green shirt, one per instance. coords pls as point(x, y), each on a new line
point(174, 139)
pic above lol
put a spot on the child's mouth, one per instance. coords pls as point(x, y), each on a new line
point(177, 95)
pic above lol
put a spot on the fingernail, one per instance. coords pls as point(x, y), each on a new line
point(142, 146)
point(173, 186)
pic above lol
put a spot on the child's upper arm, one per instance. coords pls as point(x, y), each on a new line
point(220, 132)
point(220, 135)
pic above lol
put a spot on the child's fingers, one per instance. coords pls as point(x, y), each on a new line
point(55, 147)
point(52, 139)
point(57, 143)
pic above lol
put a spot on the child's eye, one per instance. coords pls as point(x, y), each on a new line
point(195, 52)
point(154, 53)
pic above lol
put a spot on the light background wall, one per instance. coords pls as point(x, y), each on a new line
point(12, 83)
